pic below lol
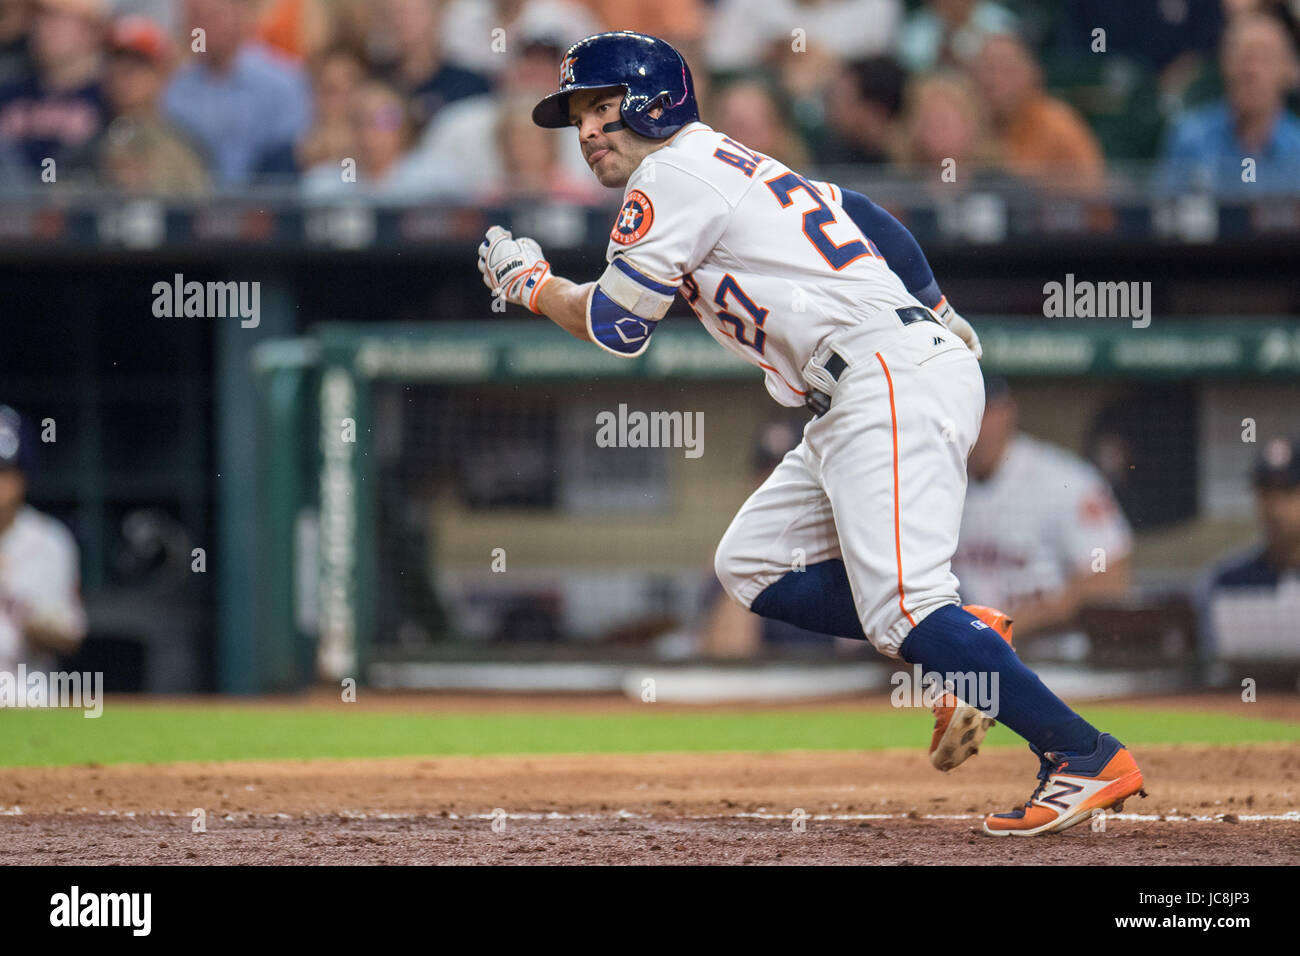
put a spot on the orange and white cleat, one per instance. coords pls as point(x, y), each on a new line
point(959, 728)
point(1071, 787)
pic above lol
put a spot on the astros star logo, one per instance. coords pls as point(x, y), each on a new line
point(634, 219)
point(566, 69)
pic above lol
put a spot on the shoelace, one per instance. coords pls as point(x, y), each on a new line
point(1048, 764)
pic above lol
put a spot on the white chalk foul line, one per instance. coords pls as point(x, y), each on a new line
point(1290, 816)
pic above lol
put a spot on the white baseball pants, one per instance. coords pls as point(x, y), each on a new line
point(878, 481)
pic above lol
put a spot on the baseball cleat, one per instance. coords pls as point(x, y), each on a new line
point(959, 728)
point(1070, 788)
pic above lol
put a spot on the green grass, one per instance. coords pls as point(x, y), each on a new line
point(135, 734)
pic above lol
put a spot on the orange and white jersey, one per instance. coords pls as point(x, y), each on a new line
point(767, 259)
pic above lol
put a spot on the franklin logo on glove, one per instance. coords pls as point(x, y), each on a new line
point(504, 270)
point(513, 268)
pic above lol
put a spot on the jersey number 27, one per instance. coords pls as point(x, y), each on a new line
point(816, 220)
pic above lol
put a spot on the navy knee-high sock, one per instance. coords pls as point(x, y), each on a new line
point(951, 640)
point(817, 598)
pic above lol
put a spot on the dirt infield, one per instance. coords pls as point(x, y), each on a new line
point(1207, 806)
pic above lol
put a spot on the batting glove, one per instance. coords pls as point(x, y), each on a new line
point(513, 268)
point(948, 315)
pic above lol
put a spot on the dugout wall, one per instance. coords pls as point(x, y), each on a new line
point(436, 491)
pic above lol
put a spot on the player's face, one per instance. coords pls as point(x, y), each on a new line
point(612, 156)
point(1280, 512)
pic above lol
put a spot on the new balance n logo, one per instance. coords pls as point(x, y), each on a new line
point(1057, 799)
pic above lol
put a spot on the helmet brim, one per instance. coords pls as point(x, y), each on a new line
point(553, 111)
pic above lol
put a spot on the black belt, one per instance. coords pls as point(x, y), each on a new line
point(818, 401)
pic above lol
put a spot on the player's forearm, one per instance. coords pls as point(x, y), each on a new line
point(565, 304)
point(1058, 611)
point(54, 639)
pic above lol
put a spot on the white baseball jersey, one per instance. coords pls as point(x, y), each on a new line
point(39, 580)
point(768, 260)
point(1034, 524)
point(779, 274)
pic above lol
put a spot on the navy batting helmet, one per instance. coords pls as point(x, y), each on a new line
point(650, 71)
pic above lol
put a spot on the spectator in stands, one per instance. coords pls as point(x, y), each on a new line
point(1037, 521)
point(410, 30)
point(743, 32)
point(142, 158)
point(1038, 137)
point(531, 68)
point(751, 112)
point(562, 23)
point(345, 23)
point(168, 14)
point(1266, 571)
point(60, 106)
point(1209, 147)
point(15, 55)
point(237, 99)
point(295, 28)
point(950, 33)
point(462, 144)
point(1286, 11)
point(943, 120)
point(862, 106)
point(531, 168)
point(683, 23)
point(384, 129)
point(336, 76)
point(140, 151)
point(15, 176)
point(1173, 42)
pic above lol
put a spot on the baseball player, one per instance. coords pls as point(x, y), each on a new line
point(854, 531)
point(40, 602)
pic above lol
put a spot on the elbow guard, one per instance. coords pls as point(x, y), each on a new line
point(625, 307)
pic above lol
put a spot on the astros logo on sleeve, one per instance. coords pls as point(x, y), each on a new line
point(634, 218)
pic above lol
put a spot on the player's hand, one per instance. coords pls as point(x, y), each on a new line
point(949, 316)
point(514, 268)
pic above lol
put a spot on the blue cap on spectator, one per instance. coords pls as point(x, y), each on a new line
point(1279, 464)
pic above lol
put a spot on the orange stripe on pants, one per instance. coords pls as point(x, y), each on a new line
point(898, 543)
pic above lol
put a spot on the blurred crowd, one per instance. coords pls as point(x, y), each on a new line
point(420, 99)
